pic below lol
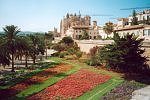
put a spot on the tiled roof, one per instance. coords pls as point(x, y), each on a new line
point(130, 28)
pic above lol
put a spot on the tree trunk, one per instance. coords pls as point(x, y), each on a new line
point(46, 53)
point(26, 61)
point(34, 59)
point(46, 48)
point(13, 69)
point(21, 58)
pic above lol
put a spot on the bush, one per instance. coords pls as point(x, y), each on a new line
point(93, 61)
point(56, 54)
point(59, 47)
point(78, 54)
point(67, 40)
point(67, 46)
point(93, 51)
point(62, 55)
point(125, 54)
point(71, 51)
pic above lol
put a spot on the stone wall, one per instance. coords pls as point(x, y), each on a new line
point(86, 45)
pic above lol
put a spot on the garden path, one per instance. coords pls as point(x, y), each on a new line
point(141, 94)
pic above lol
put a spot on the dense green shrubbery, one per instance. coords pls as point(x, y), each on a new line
point(78, 54)
point(67, 46)
point(61, 54)
point(93, 61)
point(125, 54)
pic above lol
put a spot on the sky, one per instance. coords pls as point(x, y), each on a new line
point(44, 15)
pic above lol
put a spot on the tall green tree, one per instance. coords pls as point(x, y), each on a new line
point(4, 55)
point(26, 51)
point(108, 28)
point(48, 40)
point(125, 54)
point(12, 43)
point(134, 18)
point(37, 46)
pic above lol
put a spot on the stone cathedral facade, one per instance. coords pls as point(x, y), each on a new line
point(76, 25)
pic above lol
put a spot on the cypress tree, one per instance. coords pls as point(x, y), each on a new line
point(134, 18)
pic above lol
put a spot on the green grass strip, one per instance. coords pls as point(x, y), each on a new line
point(84, 65)
point(100, 90)
point(39, 87)
point(94, 94)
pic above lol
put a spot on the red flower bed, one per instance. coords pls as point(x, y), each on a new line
point(72, 86)
point(40, 77)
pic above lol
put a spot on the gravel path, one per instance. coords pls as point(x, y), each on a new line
point(141, 94)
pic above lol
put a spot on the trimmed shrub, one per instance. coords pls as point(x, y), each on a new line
point(78, 54)
point(93, 61)
point(62, 55)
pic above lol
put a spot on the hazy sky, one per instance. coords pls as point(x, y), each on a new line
point(43, 15)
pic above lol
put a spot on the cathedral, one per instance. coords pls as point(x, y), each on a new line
point(76, 25)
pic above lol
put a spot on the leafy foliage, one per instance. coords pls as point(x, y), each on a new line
point(93, 61)
point(15, 46)
point(48, 37)
point(108, 28)
point(78, 54)
point(125, 54)
point(11, 44)
point(36, 46)
point(67, 40)
point(58, 47)
point(67, 46)
point(93, 51)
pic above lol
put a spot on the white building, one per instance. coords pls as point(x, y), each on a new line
point(142, 29)
point(103, 34)
point(144, 15)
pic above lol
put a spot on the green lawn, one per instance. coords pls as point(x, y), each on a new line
point(39, 87)
point(94, 94)
point(100, 90)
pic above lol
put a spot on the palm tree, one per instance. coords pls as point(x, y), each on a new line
point(36, 46)
point(13, 43)
point(108, 28)
point(4, 55)
point(25, 51)
point(33, 50)
point(48, 39)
